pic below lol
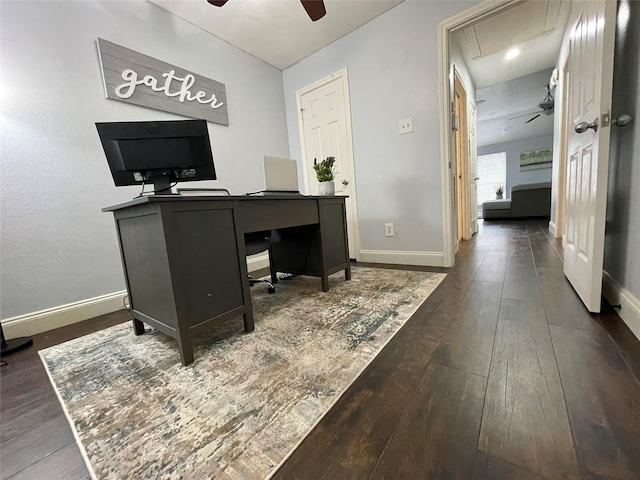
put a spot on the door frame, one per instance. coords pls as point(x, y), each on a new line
point(343, 74)
point(556, 224)
point(445, 27)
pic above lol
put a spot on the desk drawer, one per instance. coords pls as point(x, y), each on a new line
point(261, 214)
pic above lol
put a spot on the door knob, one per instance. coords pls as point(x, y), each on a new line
point(345, 182)
point(584, 126)
point(477, 178)
point(622, 120)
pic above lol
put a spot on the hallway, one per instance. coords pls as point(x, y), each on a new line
point(500, 374)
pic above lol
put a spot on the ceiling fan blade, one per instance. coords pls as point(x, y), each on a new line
point(532, 119)
point(315, 9)
point(217, 3)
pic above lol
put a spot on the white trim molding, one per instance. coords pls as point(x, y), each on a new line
point(424, 259)
point(448, 234)
point(552, 229)
point(616, 294)
point(257, 262)
point(61, 316)
point(56, 317)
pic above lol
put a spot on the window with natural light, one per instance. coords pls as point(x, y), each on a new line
point(492, 170)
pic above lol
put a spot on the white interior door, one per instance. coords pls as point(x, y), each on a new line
point(325, 126)
point(463, 185)
point(461, 158)
point(473, 168)
point(590, 84)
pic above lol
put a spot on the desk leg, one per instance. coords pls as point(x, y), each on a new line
point(347, 273)
point(138, 327)
point(186, 350)
point(325, 283)
point(272, 268)
point(248, 321)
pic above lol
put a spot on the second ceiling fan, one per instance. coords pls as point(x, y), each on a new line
point(546, 107)
point(314, 8)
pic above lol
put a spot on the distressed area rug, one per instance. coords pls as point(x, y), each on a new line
point(248, 399)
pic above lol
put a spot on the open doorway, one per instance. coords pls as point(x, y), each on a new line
point(507, 53)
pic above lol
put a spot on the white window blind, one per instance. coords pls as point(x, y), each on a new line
point(492, 170)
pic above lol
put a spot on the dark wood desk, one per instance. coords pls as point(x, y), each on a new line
point(184, 257)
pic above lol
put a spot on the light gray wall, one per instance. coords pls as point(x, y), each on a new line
point(622, 255)
point(456, 59)
point(392, 65)
point(513, 149)
point(57, 246)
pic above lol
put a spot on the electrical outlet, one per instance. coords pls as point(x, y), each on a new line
point(388, 230)
point(406, 125)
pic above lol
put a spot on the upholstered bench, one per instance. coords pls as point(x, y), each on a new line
point(527, 200)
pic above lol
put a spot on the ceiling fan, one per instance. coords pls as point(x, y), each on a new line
point(314, 8)
point(546, 107)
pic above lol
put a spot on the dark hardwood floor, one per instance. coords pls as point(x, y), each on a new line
point(500, 374)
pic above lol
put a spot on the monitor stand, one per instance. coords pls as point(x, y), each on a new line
point(162, 186)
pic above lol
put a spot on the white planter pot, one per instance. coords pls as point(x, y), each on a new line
point(326, 188)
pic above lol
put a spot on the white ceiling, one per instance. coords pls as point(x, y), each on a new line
point(535, 27)
point(516, 96)
point(498, 104)
point(510, 88)
point(278, 32)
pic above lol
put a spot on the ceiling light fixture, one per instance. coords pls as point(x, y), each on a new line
point(507, 129)
point(511, 54)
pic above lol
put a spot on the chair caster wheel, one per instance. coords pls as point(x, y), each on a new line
point(271, 290)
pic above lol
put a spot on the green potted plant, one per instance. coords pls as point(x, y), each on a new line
point(325, 173)
point(499, 192)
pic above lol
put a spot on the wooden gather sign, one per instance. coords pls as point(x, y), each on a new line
point(135, 78)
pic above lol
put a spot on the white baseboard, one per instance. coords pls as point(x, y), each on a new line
point(552, 229)
point(424, 259)
point(630, 305)
point(56, 317)
point(257, 262)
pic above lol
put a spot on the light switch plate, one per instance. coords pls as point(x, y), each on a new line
point(406, 125)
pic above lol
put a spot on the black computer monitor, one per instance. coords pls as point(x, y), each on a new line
point(157, 152)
